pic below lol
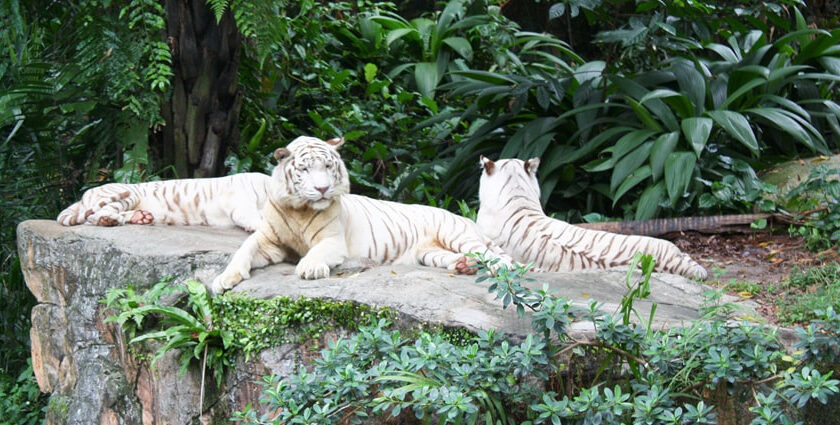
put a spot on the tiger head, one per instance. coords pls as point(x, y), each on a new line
point(310, 172)
point(506, 178)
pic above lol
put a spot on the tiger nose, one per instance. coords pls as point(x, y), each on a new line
point(323, 190)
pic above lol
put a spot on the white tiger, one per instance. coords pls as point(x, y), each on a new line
point(510, 214)
point(311, 215)
point(234, 200)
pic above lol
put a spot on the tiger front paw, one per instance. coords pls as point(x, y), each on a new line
point(107, 222)
point(229, 278)
point(311, 268)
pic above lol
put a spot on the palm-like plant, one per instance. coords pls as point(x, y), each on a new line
point(433, 41)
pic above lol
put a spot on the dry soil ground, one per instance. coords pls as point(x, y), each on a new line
point(760, 257)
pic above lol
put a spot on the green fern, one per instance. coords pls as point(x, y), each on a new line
point(218, 7)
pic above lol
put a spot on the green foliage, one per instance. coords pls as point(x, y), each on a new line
point(809, 290)
point(647, 375)
point(606, 132)
point(214, 330)
point(21, 401)
point(257, 324)
point(191, 329)
point(820, 196)
point(739, 190)
point(433, 41)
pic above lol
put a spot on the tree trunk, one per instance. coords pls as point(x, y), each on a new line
point(202, 114)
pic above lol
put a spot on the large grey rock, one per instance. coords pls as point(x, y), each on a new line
point(85, 364)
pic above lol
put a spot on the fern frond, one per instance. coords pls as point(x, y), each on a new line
point(218, 7)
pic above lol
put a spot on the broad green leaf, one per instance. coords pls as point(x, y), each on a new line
point(488, 77)
point(600, 164)
point(692, 83)
point(589, 71)
point(657, 94)
point(629, 164)
point(591, 145)
point(630, 142)
point(779, 120)
point(460, 45)
point(649, 201)
point(779, 73)
point(788, 104)
point(390, 22)
point(644, 115)
point(631, 181)
point(399, 33)
point(725, 52)
point(370, 72)
point(170, 313)
point(762, 71)
point(426, 76)
point(742, 90)
point(737, 126)
point(662, 147)
point(696, 131)
point(831, 64)
point(449, 14)
point(635, 90)
point(678, 170)
point(397, 70)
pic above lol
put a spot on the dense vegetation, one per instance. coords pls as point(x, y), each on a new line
point(638, 108)
point(627, 372)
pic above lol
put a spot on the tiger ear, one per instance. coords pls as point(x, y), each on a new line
point(488, 165)
point(531, 165)
point(336, 142)
point(281, 153)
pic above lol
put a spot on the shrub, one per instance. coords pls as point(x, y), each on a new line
point(646, 375)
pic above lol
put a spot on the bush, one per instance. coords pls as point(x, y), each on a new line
point(645, 376)
point(21, 401)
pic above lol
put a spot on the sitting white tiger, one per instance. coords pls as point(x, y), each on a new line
point(234, 200)
point(310, 214)
point(511, 215)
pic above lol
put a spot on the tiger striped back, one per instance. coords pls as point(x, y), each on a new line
point(234, 200)
point(511, 215)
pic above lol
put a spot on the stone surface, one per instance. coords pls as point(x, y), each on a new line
point(85, 364)
point(787, 175)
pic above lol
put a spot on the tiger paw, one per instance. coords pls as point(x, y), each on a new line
point(465, 265)
point(225, 281)
point(141, 217)
point(108, 222)
point(308, 268)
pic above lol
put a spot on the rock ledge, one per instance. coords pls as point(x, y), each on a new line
point(84, 363)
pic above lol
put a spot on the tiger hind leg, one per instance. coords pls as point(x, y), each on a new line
point(118, 210)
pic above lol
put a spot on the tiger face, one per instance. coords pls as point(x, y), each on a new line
point(508, 174)
point(310, 172)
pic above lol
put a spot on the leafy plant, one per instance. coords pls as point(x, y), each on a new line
point(379, 372)
point(21, 401)
point(809, 290)
point(739, 190)
point(652, 133)
point(191, 329)
point(818, 198)
point(214, 330)
point(434, 42)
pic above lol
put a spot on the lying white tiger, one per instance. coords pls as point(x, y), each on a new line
point(511, 215)
point(234, 200)
point(310, 214)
